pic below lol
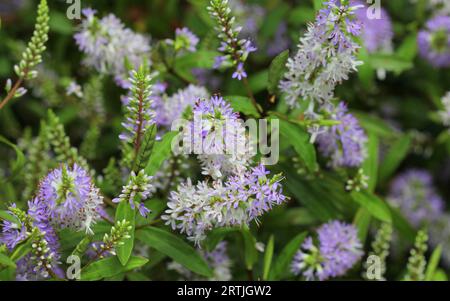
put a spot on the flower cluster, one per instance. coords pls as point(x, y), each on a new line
point(34, 225)
point(118, 234)
point(326, 55)
point(110, 47)
point(413, 193)
point(71, 198)
point(343, 144)
point(338, 250)
point(137, 191)
point(217, 259)
point(218, 136)
point(377, 32)
point(434, 41)
point(416, 261)
point(243, 198)
point(234, 49)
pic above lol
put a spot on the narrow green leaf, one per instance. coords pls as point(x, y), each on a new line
point(370, 165)
point(377, 207)
point(8, 217)
point(174, 247)
point(215, 236)
point(244, 105)
point(161, 152)
point(268, 257)
point(408, 49)
point(299, 139)
point(20, 158)
point(110, 267)
point(390, 62)
point(282, 262)
point(440, 275)
point(276, 71)
point(6, 261)
point(394, 157)
point(251, 254)
point(433, 263)
point(362, 223)
point(124, 211)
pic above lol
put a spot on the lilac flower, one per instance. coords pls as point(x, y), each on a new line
point(338, 250)
point(138, 186)
point(74, 89)
point(71, 198)
point(243, 198)
point(377, 33)
point(207, 78)
point(240, 72)
point(185, 40)
point(218, 136)
point(326, 55)
point(413, 193)
point(172, 108)
point(109, 46)
point(343, 144)
point(434, 41)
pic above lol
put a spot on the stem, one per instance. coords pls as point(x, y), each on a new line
point(11, 93)
point(137, 143)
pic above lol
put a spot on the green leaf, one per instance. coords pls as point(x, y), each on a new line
point(20, 158)
point(82, 246)
point(394, 157)
point(408, 49)
point(243, 104)
point(362, 223)
point(433, 263)
point(215, 236)
point(374, 124)
point(8, 217)
point(268, 257)
point(169, 244)
point(390, 62)
point(110, 267)
point(440, 275)
point(282, 262)
point(161, 152)
point(124, 211)
point(377, 208)
point(276, 71)
point(199, 59)
point(299, 139)
point(370, 165)
point(6, 261)
point(250, 252)
point(258, 82)
point(21, 250)
point(317, 4)
point(405, 229)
